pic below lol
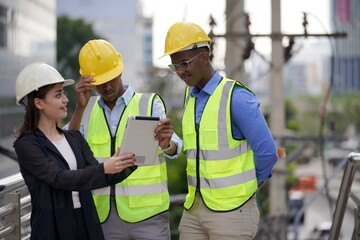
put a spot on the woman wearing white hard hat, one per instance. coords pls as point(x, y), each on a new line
point(57, 165)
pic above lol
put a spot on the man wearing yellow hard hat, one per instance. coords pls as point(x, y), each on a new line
point(138, 207)
point(229, 148)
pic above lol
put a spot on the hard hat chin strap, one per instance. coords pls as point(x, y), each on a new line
point(24, 102)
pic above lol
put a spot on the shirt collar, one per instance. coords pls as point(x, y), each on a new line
point(125, 98)
point(210, 85)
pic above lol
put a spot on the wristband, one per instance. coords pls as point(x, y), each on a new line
point(171, 144)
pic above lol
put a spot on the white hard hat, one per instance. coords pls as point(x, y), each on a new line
point(35, 76)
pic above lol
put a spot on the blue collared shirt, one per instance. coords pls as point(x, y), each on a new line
point(113, 116)
point(247, 122)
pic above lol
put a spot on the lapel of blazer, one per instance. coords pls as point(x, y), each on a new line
point(46, 142)
point(76, 147)
point(51, 147)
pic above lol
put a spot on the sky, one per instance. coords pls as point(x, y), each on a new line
point(167, 12)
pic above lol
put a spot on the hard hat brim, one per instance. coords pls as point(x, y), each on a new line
point(108, 76)
point(188, 47)
point(37, 75)
point(66, 82)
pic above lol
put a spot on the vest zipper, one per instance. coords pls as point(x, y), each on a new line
point(197, 161)
point(197, 151)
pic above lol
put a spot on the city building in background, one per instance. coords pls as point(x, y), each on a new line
point(27, 34)
point(121, 23)
point(346, 57)
point(147, 43)
point(308, 71)
point(148, 72)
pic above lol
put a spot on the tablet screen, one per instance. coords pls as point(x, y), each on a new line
point(139, 139)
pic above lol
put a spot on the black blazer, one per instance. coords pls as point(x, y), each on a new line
point(50, 182)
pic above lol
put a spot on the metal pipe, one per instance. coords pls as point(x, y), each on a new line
point(345, 188)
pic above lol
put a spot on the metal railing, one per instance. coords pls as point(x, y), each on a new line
point(15, 205)
point(345, 192)
point(15, 208)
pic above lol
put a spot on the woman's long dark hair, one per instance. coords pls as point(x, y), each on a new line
point(32, 114)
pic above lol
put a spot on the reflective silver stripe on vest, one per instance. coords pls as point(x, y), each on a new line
point(219, 154)
point(239, 178)
point(101, 191)
point(101, 159)
point(141, 190)
point(222, 130)
point(222, 127)
point(144, 100)
point(87, 113)
point(188, 95)
point(143, 109)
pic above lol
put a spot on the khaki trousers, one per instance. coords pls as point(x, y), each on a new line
point(200, 223)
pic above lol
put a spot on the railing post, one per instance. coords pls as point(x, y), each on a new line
point(355, 235)
point(13, 218)
point(356, 232)
point(345, 190)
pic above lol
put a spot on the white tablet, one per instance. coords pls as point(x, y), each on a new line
point(139, 139)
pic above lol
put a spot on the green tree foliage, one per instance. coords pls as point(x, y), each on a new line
point(72, 34)
point(342, 112)
point(290, 116)
point(177, 182)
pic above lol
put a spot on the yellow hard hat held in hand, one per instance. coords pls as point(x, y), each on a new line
point(99, 60)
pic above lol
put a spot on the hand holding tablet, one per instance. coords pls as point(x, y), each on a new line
point(139, 139)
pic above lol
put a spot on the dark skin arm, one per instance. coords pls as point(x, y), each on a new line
point(83, 92)
point(163, 133)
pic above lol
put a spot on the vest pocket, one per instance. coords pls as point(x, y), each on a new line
point(145, 201)
point(229, 192)
point(100, 144)
point(224, 182)
point(209, 139)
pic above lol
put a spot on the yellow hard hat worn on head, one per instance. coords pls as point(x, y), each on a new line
point(99, 60)
point(35, 76)
point(183, 36)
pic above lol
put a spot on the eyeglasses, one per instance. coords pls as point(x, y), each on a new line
point(184, 65)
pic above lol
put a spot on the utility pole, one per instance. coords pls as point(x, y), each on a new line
point(277, 190)
point(234, 19)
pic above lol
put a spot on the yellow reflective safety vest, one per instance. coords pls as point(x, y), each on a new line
point(219, 166)
point(144, 193)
